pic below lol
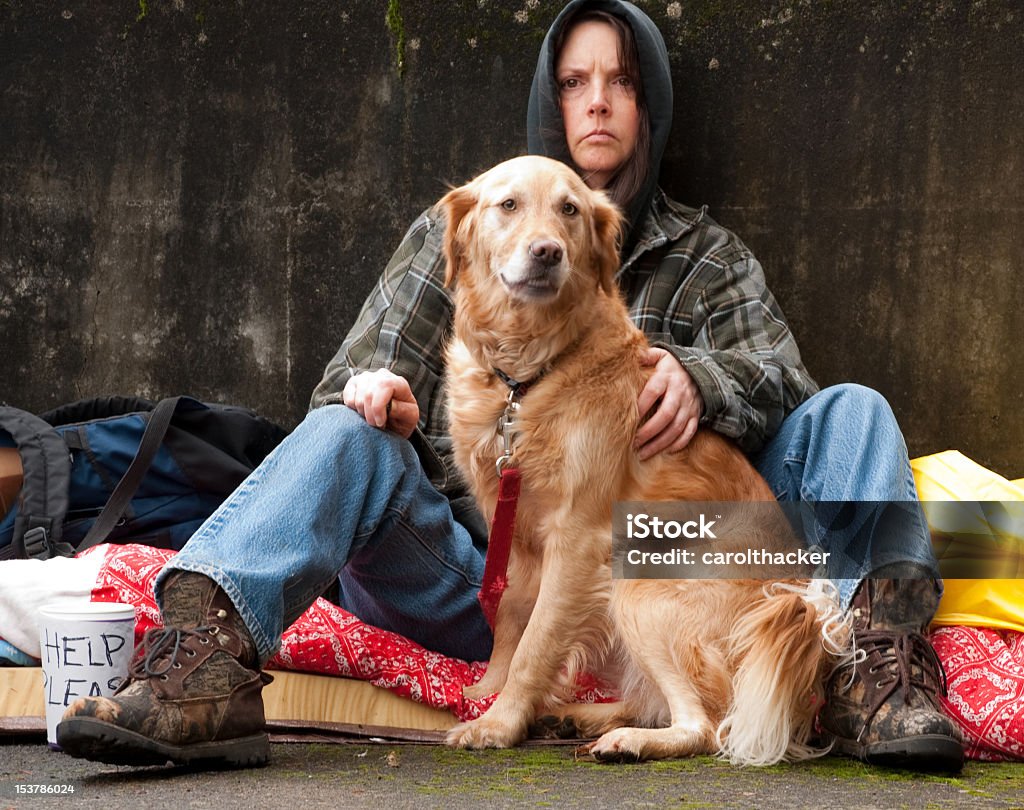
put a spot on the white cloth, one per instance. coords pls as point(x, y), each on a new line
point(27, 585)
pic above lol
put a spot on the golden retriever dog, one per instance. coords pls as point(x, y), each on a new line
point(704, 666)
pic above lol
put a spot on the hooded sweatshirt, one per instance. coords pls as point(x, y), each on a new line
point(545, 130)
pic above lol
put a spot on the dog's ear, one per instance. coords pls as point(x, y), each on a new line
point(456, 204)
point(606, 233)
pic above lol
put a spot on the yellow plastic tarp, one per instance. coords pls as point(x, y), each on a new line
point(951, 476)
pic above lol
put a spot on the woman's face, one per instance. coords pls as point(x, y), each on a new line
point(598, 102)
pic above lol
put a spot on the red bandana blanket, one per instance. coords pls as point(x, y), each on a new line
point(985, 670)
point(325, 639)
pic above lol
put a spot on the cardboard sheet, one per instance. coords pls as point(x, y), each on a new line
point(297, 701)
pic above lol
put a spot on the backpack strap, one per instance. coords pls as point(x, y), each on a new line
point(43, 500)
point(89, 410)
point(156, 429)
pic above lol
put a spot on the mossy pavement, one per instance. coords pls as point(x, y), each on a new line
point(422, 776)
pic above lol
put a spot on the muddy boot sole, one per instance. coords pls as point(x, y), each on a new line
point(927, 752)
point(89, 738)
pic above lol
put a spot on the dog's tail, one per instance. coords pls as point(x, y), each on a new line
point(782, 647)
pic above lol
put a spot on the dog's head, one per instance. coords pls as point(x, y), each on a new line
point(531, 230)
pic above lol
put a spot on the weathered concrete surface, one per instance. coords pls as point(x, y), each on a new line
point(418, 777)
point(196, 197)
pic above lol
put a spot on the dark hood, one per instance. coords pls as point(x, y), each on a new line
point(545, 132)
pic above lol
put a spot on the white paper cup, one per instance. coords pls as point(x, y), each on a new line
point(85, 648)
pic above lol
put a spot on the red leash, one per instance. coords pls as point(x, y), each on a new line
point(503, 523)
point(499, 545)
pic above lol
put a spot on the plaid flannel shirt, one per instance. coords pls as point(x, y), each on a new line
point(692, 287)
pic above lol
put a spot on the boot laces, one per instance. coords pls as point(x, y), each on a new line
point(900, 661)
point(160, 648)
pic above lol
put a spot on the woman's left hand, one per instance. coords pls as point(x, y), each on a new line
point(677, 402)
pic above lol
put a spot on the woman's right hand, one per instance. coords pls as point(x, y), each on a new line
point(384, 400)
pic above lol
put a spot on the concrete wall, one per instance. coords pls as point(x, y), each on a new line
point(196, 196)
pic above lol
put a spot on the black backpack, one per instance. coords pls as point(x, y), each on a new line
point(125, 469)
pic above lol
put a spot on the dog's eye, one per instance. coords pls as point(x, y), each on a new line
point(570, 210)
point(509, 204)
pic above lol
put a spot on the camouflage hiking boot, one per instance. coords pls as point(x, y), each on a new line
point(192, 696)
point(883, 706)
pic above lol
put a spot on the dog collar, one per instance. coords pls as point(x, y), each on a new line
point(518, 388)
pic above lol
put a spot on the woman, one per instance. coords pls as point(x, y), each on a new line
point(364, 490)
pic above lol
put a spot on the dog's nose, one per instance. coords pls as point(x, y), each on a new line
point(546, 252)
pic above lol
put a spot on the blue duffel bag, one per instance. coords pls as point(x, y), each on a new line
point(125, 470)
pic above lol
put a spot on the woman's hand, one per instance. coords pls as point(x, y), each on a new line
point(384, 400)
point(676, 399)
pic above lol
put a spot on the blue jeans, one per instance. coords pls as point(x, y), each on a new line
point(843, 447)
point(339, 498)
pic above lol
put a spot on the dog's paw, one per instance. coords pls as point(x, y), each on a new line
point(620, 745)
point(478, 691)
point(492, 682)
point(484, 733)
